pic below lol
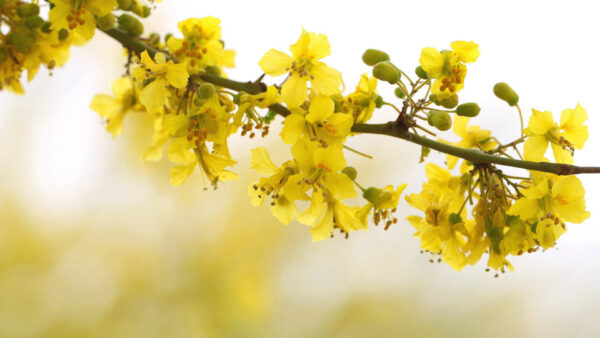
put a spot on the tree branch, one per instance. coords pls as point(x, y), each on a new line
point(390, 129)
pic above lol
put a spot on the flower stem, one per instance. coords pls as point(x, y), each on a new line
point(389, 129)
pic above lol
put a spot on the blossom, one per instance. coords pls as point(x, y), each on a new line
point(303, 66)
point(161, 74)
point(448, 67)
point(321, 123)
point(361, 104)
point(200, 46)
point(79, 16)
point(113, 109)
point(471, 137)
point(564, 138)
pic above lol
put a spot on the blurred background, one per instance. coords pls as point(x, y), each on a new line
point(96, 243)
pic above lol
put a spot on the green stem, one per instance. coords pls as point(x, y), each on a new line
point(390, 128)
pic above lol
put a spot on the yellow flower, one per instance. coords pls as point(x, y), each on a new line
point(113, 109)
point(336, 215)
point(570, 135)
point(200, 46)
point(281, 206)
point(327, 127)
point(303, 66)
point(553, 196)
point(161, 74)
point(361, 104)
point(448, 67)
point(319, 169)
point(79, 16)
point(437, 234)
point(384, 202)
point(471, 137)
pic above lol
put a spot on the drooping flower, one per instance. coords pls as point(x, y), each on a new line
point(113, 109)
point(302, 67)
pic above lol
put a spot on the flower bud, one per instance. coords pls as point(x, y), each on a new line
point(21, 40)
point(378, 101)
point(448, 102)
point(439, 119)
point(377, 196)
point(142, 11)
point(372, 57)
point(504, 92)
point(106, 22)
point(46, 27)
point(154, 39)
point(168, 36)
point(124, 4)
point(237, 98)
point(26, 10)
point(131, 25)
point(63, 34)
point(34, 21)
point(386, 71)
point(206, 91)
point(214, 70)
point(350, 172)
point(454, 218)
point(421, 73)
point(399, 93)
point(470, 109)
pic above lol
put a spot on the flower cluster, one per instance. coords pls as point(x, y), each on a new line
point(28, 40)
point(179, 82)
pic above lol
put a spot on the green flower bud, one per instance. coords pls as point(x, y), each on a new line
point(386, 71)
point(439, 119)
point(3, 55)
point(26, 10)
point(34, 21)
point(468, 109)
point(399, 93)
point(378, 101)
point(449, 102)
point(168, 36)
point(106, 22)
point(350, 172)
point(337, 106)
point(237, 98)
point(372, 57)
point(131, 25)
point(46, 27)
point(154, 39)
point(504, 92)
point(377, 196)
point(124, 4)
point(214, 70)
point(270, 116)
point(206, 91)
point(454, 218)
point(142, 11)
point(433, 98)
point(21, 40)
point(63, 34)
point(421, 73)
